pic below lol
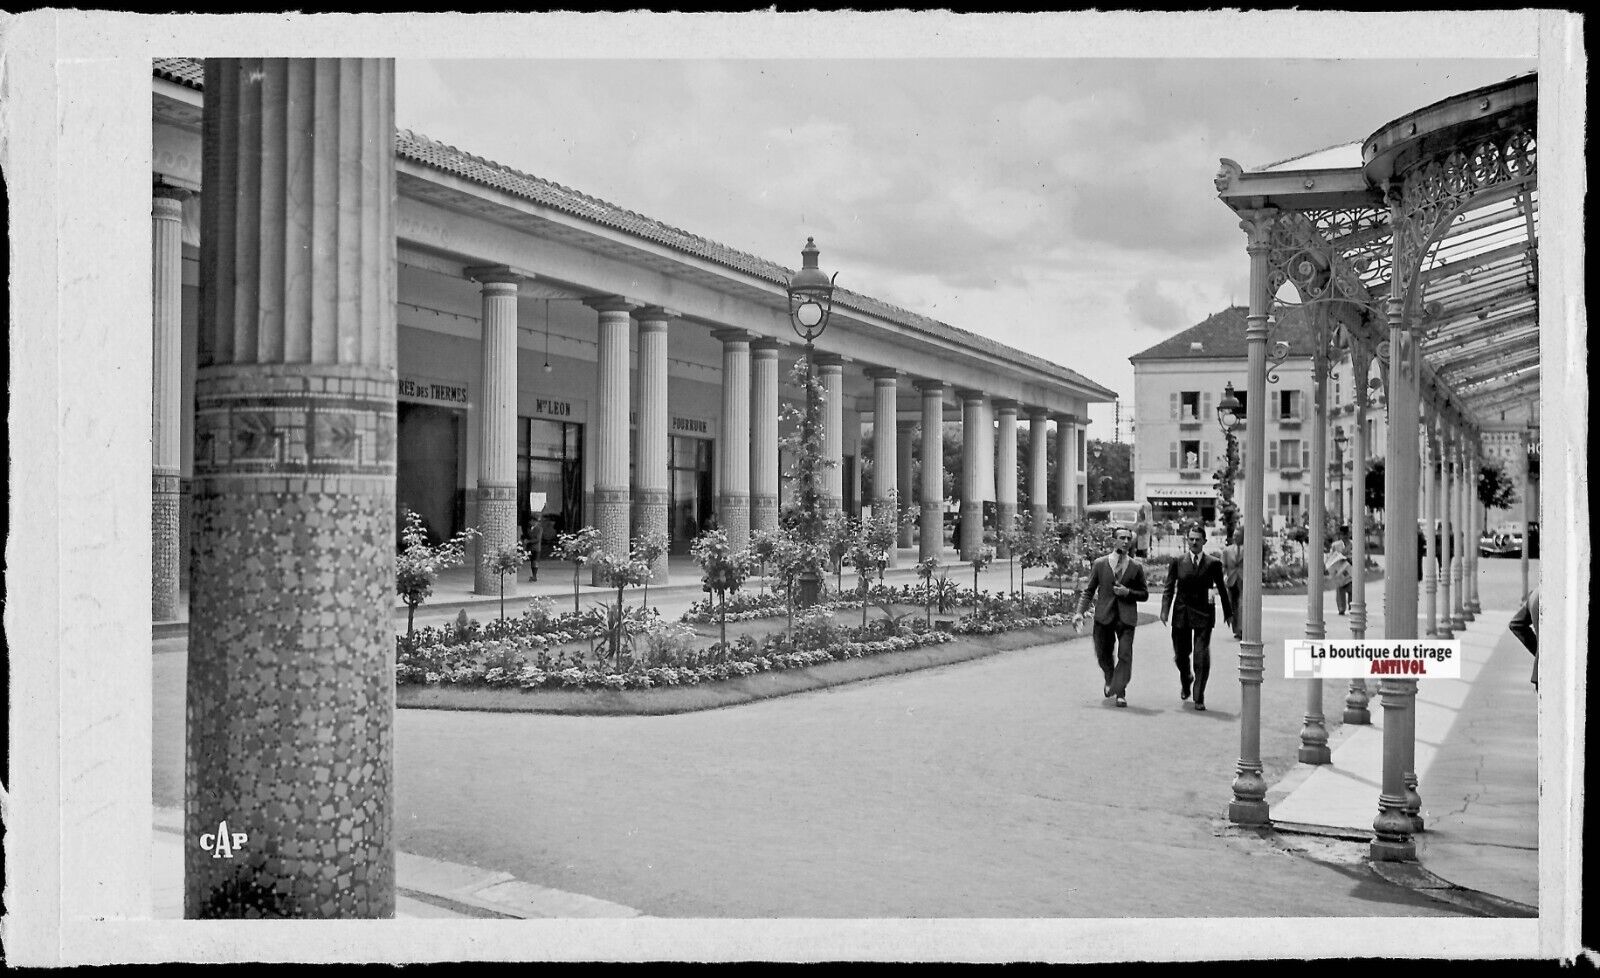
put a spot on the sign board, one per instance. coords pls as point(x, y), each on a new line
point(431, 392)
point(1179, 492)
point(536, 501)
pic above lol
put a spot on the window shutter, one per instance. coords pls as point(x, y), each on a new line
point(1172, 454)
point(1205, 405)
point(1305, 455)
point(1277, 404)
point(1272, 455)
point(1205, 456)
point(1173, 401)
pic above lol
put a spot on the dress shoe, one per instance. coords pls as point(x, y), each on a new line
point(1106, 691)
point(1199, 707)
point(1121, 701)
point(1185, 694)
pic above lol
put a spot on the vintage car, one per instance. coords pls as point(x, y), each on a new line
point(1505, 540)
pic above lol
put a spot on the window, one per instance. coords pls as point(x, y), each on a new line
point(1244, 404)
point(1190, 407)
point(1289, 506)
point(1289, 453)
point(1192, 455)
point(1288, 405)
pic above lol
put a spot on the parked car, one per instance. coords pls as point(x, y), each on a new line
point(1505, 540)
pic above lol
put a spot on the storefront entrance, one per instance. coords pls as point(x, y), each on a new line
point(550, 462)
point(689, 503)
point(428, 468)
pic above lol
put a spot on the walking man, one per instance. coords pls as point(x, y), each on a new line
point(1233, 576)
point(1187, 599)
point(1116, 583)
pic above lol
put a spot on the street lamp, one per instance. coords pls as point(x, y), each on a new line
point(810, 306)
point(1228, 418)
point(1340, 439)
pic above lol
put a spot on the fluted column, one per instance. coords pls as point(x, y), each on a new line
point(764, 435)
point(1038, 469)
point(903, 469)
point(1066, 466)
point(930, 539)
point(830, 370)
point(1430, 492)
point(497, 423)
point(1356, 700)
point(1474, 527)
point(290, 686)
point(885, 442)
point(1249, 804)
point(971, 532)
point(1444, 625)
point(166, 418)
point(650, 464)
point(733, 501)
point(1458, 536)
point(1005, 472)
point(613, 501)
point(1314, 729)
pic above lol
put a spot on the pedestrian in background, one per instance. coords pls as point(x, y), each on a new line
point(1339, 573)
point(1187, 598)
point(533, 542)
point(1233, 577)
point(1116, 583)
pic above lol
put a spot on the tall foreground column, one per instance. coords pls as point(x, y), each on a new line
point(764, 435)
point(930, 539)
point(290, 692)
point(497, 424)
point(1458, 536)
point(885, 443)
point(612, 498)
point(1005, 472)
point(1038, 472)
point(903, 469)
point(1430, 521)
point(1444, 625)
point(166, 418)
point(650, 433)
point(1314, 729)
point(733, 501)
point(1066, 466)
point(1474, 528)
point(1249, 804)
point(1356, 700)
point(830, 369)
point(972, 440)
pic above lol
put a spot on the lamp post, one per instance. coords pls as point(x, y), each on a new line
point(1340, 439)
point(1228, 419)
point(810, 305)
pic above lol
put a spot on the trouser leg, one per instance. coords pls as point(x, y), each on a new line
point(1236, 595)
point(1124, 669)
point(1104, 639)
point(1182, 643)
point(1202, 662)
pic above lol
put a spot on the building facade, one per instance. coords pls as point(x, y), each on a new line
point(563, 356)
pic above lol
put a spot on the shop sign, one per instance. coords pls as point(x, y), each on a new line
point(697, 426)
point(1172, 493)
point(424, 390)
point(552, 408)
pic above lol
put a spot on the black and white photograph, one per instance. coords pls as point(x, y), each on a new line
point(914, 486)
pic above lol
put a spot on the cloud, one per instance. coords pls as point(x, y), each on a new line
point(1151, 307)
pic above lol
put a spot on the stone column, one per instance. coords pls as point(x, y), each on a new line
point(733, 502)
point(971, 539)
point(1474, 528)
point(764, 435)
point(166, 418)
point(903, 469)
point(1458, 536)
point(1038, 469)
point(613, 500)
point(1443, 622)
point(497, 424)
point(1356, 700)
point(885, 443)
point(930, 539)
point(650, 470)
point(1005, 472)
point(830, 370)
point(1067, 465)
point(1249, 804)
point(290, 687)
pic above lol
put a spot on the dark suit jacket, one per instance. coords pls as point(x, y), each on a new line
point(1107, 606)
point(1188, 582)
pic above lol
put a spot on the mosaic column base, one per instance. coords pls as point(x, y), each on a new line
point(930, 538)
point(1036, 516)
point(497, 522)
point(971, 528)
point(1006, 518)
point(610, 517)
point(290, 707)
point(733, 516)
point(650, 517)
point(165, 517)
point(763, 513)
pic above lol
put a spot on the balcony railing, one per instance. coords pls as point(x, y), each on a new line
point(1290, 419)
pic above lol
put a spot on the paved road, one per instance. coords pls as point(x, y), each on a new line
point(1003, 787)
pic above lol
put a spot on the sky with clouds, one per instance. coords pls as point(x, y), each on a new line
point(1060, 206)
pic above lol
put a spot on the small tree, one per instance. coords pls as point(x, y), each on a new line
point(1374, 487)
point(926, 569)
point(1017, 540)
point(648, 548)
point(1495, 488)
point(577, 547)
point(981, 559)
point(724, 570)
point(417, 567)
point(502, 561)
point(837, 530)
point(764, 550)
point(621, 573)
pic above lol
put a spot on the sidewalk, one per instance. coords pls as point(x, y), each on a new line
point(1476, 750)
point(424, 887)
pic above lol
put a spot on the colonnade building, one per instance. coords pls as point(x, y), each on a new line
point(557, 353)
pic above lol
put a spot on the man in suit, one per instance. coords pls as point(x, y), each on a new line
point(1187, 599)
point(1116, 582)
point(1233, 576)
